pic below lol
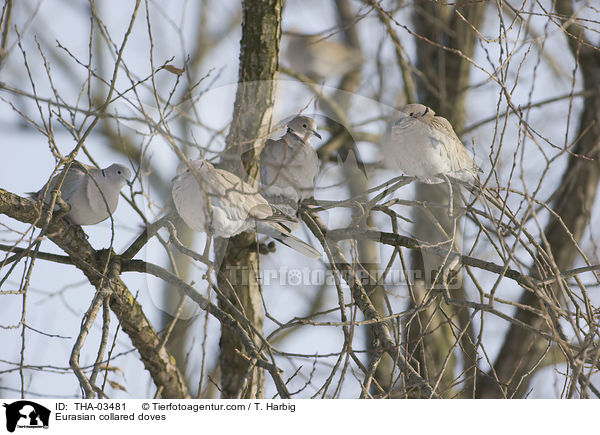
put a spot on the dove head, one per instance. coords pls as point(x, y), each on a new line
point(118, 174)
point(415, 111)
point(183, 168)
point(303, 127)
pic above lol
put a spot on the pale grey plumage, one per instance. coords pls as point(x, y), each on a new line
point(223, 205)
point(92, 193)
point(289, 165)
point(425, 146)
point(320, 58)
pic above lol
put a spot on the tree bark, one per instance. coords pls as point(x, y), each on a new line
point(71, 239)
point(430, 336)
point(521, 350)
point(259, 61)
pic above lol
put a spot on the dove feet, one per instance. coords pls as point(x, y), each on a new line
point(262, 248)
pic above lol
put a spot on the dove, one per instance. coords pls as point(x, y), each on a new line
point(92, 193)
point(426, 147)
point(289, 165)
point(224, 205)
point(320, 58)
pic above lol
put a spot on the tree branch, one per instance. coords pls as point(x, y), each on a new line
point(73, 241)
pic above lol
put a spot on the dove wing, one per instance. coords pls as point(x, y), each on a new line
point(271, 161)
point(289, 163)
point(232, 193)
point(187, 197)
point(457, 153)
point(76, 175)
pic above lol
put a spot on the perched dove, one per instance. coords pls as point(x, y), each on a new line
point(92, 193)
point(223, 205)
point(320, 58)
point(288, 166)
point(425, 146)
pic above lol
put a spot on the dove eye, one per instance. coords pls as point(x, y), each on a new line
point(304, 125)
point(119, 172)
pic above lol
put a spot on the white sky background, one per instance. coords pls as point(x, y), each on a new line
point(59, 294)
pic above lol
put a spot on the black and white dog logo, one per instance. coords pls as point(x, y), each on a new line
point(26, 414)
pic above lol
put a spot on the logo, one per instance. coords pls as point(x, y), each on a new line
point(26, 414)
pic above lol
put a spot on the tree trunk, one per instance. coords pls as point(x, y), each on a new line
point(521, 350)
point(259, 55)
point(430, 335)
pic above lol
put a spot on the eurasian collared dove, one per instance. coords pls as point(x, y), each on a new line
point(92, 193)
point(320, 58)
point(425, 146)
point(289, 165)
point(223, 205)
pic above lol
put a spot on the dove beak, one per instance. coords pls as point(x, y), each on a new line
point(317, 134)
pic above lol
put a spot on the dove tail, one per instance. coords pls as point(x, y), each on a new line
point(298, 245)
point(280, 233)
